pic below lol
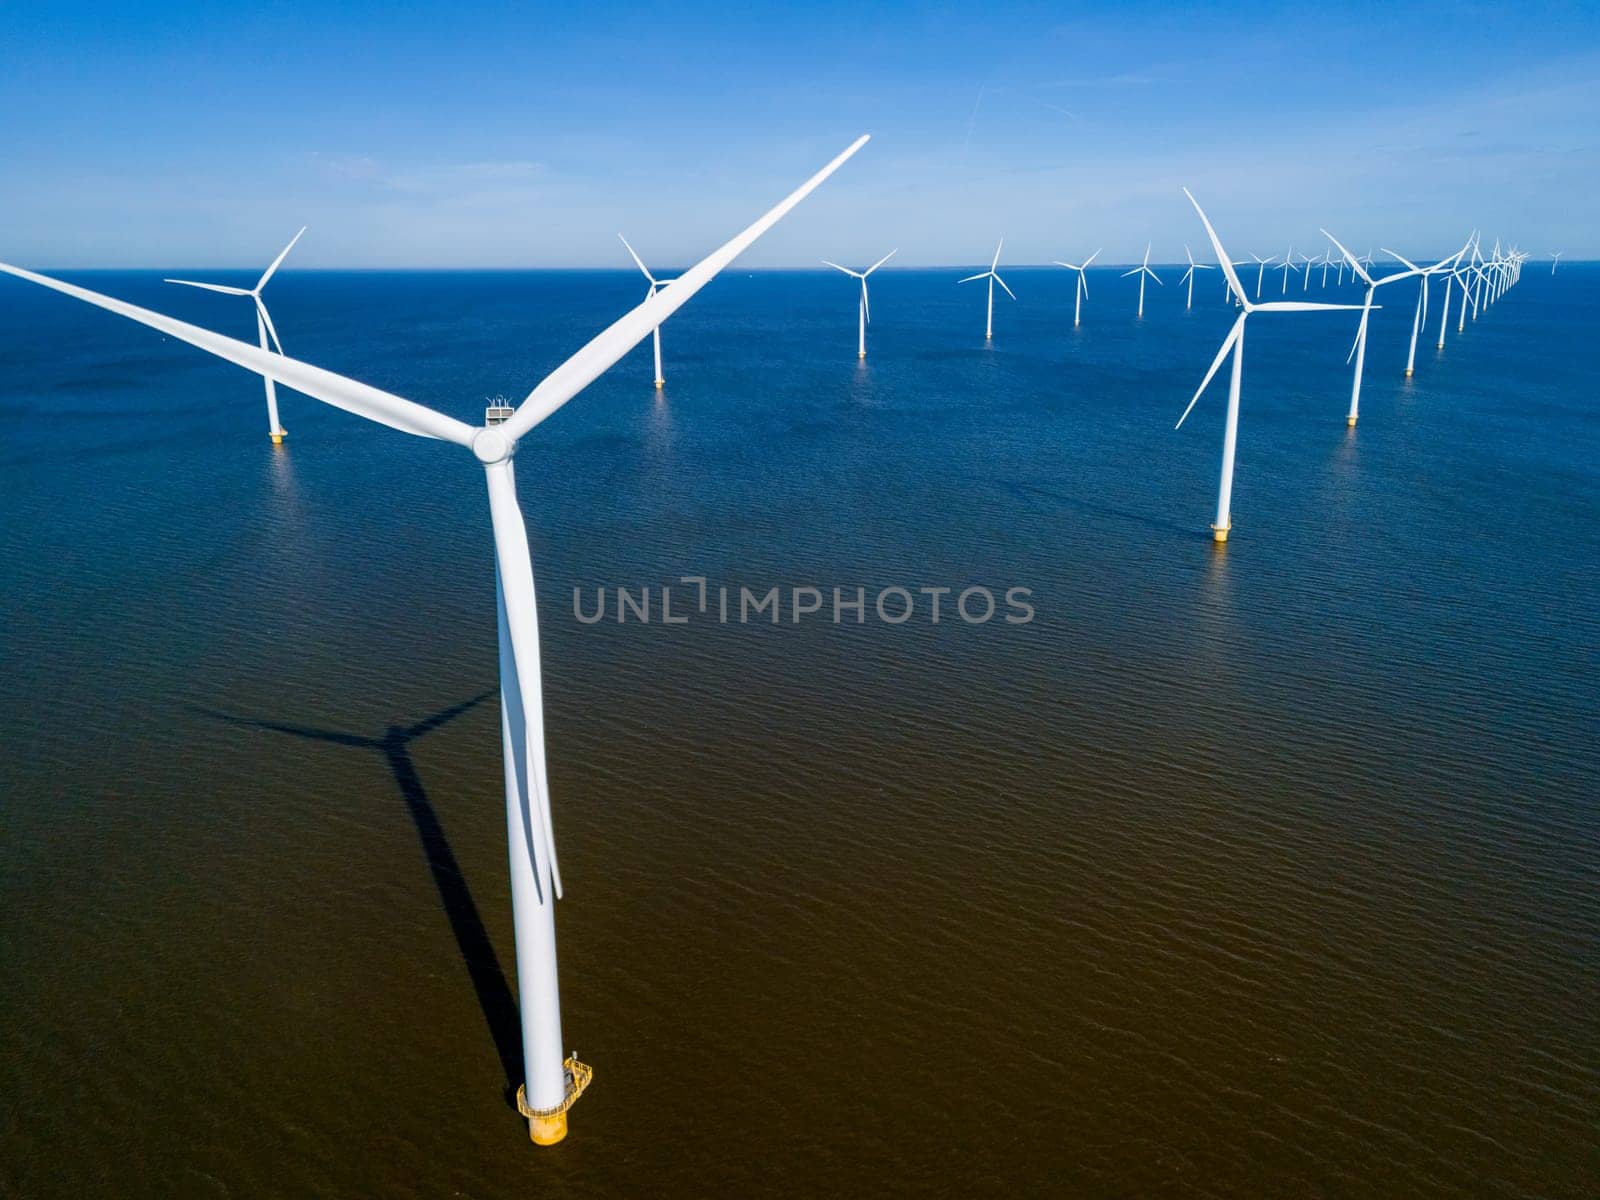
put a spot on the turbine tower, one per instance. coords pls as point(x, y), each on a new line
point(1421, 314)
point(1234, 344)
point(1261, 269)
point(1082, 289)
point(1188, 277)
point(1141, 271)
point(275, 429)
point(552, 1083)
point(993, 276)
point(655, 285)
point(865, 313)
point(1555, 257)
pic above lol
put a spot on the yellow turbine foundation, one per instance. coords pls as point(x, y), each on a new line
point(1408, 372)
point(1219, 533)
point(278, 436)
point(547, 1126)
point(1350, 421)
point(660, 383)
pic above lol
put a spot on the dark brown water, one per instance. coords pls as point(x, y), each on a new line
point(1268, 872)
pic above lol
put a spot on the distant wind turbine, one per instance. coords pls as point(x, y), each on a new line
point(1082, 289)
point(552, 1083)
point(865, 313)
point(1421, 314)
point(1555, 256)
point(1287, 267)
point(993, 276)
point(1188, 277)
point(655, 286)
point(1261, 269)
point(1141, 271)
point(1359, 350)
point(1309, 261)
point(1234, 343)
point(275, 430)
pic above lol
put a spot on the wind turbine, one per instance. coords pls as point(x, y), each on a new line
point(1188, 276)
point(866, 312)
point(1450, 280)
point(552, 1084)
point(1234, 343)
point(1141, 271)
point(1555, 257)
point(1261, 269)
point(655, 286)
point(1310, 260)
point(993, 277)
point(263, 328)
point(1359, 349)
point(1421, 314)
point(1287, 267)
point(1082, 289)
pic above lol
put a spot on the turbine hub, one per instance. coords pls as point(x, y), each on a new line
point(492, 446)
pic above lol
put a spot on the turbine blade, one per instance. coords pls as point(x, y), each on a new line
point(996, 261)
point(1135, 271)
point(572, 376)
point(1400, 258)
point(348, 394)
point(639, 262)
point(846, 270)
point(266, 319)
point(212, 287)
point(1091, 258)
point(1348, 257)
point(267, 274)
point(1304, 306)
point(520, 626)
point(1002, 283)
point(881, 261)
point(1223, 260)
point(1227, 345)
point(970, 278)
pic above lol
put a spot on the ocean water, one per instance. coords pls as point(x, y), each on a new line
point(1268, 870)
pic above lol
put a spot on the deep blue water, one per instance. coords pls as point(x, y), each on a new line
point(1267, 870)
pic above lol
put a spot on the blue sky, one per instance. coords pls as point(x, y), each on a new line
point(167, 134)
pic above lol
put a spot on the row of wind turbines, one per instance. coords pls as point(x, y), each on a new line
point(554, 1080)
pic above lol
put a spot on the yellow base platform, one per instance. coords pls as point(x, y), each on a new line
point(547, 1126)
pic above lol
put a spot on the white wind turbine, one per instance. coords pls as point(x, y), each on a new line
point(1359, 350)
point(1234, 343)
point(1421, 314)
point(1082, 289)
point(865, 313)
point(1308, 261)
point(1450, 281)
point(1555, 257)
point(552, 1084)
point(655, 286)
point(1261, 269)
point(275, 430)
point(1287, 267)
point(1188, 276)
point(993, 276)
point(1141, 271)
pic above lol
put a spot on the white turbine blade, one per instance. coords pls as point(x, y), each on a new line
point(1154, 276)
point(1399, 258)
point(584, 367)
point(1201, 266)
point(881, 261)
point(846, 270)
point(1222, 255)
point(1146, 262)
point(266, 319)
point(1227, 345)
point(348, 394)
point(1135, 271)
point(1002, 283)
point(277, 262)
point(1353, 346)
point(970, 278)
point(866, 306)
point(996, 261)
point(1304, 306)
point(1096, 255)
point(514, 566)
point(1083, 281)
point(1068, 266)
point(212, 287)
point(1189, 256)
point(1187, 275)
point(1348, 257)
point(639, 262)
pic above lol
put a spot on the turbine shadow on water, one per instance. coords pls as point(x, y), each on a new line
point(472, 938)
